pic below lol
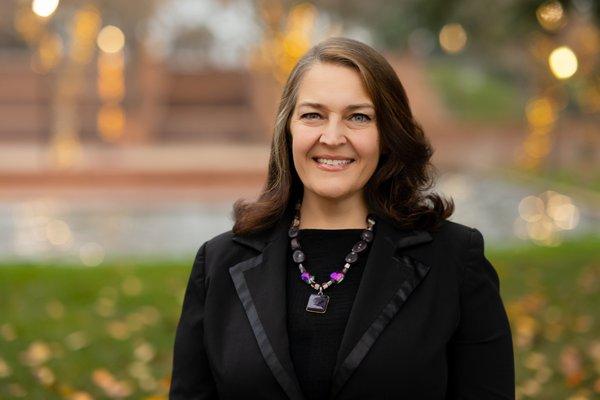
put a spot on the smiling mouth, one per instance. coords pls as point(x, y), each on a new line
point(332, 165)
point(333, 161)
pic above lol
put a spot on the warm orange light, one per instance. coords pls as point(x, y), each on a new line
point(111, 121)
point(50, 51)
point(453, 38)
point(550, 15)
point(540, 112)
point(85, 25)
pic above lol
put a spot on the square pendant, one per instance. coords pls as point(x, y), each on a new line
point(317, 303)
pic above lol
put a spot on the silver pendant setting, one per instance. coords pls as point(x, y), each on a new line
point(317, 303)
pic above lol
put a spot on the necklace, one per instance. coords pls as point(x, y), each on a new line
point(317, 302)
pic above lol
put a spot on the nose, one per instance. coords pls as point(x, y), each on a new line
point(333, 133)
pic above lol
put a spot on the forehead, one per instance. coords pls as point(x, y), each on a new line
point(332, 84)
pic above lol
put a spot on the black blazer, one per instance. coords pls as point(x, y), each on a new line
point(427, 322)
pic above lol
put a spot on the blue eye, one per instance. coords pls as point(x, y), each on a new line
point(304, 115)
point(366, 117)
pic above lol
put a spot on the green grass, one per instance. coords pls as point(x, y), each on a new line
point(585, 178)
point(140, 302)
point(551, 295)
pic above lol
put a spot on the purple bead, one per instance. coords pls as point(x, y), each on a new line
point(337, 276)
point(305, 276)
point(359, 246)
point(298, 256)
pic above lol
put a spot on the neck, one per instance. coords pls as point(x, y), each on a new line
point(320, 213)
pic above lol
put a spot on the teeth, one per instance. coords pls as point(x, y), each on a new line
point(333, 162)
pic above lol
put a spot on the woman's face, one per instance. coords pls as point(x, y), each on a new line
point(334, 118)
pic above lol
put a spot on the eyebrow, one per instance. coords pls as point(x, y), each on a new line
point(348, 108)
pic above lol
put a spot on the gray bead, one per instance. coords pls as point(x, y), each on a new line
point(298, 256)
point(359, 246)
point(351, 257)
point(295, 243)
point(293, 232)
point(366, 235)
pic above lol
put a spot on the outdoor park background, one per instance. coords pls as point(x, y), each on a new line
point(128, 128)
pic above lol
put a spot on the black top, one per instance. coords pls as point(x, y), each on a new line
point(315, 338)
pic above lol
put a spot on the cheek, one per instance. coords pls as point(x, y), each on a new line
point(303, 138)
point(368, 147)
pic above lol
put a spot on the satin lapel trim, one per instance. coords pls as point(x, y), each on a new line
point(387, 282)
point(260, 283)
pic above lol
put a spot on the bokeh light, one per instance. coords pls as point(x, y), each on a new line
point(59, 233)
point(531, 208)
point(542, 217)
point(91, 254)
point(540, 112)
point(44, 8)
point(563, 62)
point(49, 53)
point(84, 25)
point(453, 38)
point(111, 39)
point(550, 15)
point(111, 122)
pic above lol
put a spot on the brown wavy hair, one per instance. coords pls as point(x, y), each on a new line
point(398, 187)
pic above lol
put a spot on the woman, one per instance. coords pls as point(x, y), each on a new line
point(344, 279)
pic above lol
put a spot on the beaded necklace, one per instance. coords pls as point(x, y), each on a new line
point(317, 302)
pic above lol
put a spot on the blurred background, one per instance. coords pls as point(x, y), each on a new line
point(128, 128)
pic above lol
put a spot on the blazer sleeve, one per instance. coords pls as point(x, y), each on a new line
point(480, 352)
point(191, 375)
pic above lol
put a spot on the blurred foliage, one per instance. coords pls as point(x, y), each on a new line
point(107, 332)
point(475, 93)
point(491, 24)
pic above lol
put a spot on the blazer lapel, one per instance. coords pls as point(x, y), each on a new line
point(260, 283)
point(387, 275)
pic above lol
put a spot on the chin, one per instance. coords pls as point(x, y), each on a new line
point(332, 195)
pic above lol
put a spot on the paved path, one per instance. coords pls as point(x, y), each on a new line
point(78, 228)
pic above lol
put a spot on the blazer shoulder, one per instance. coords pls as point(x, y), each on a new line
point(454, 229)
point(220, 244)
point(220, 240)
point(222, 251)
point(454, 237)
